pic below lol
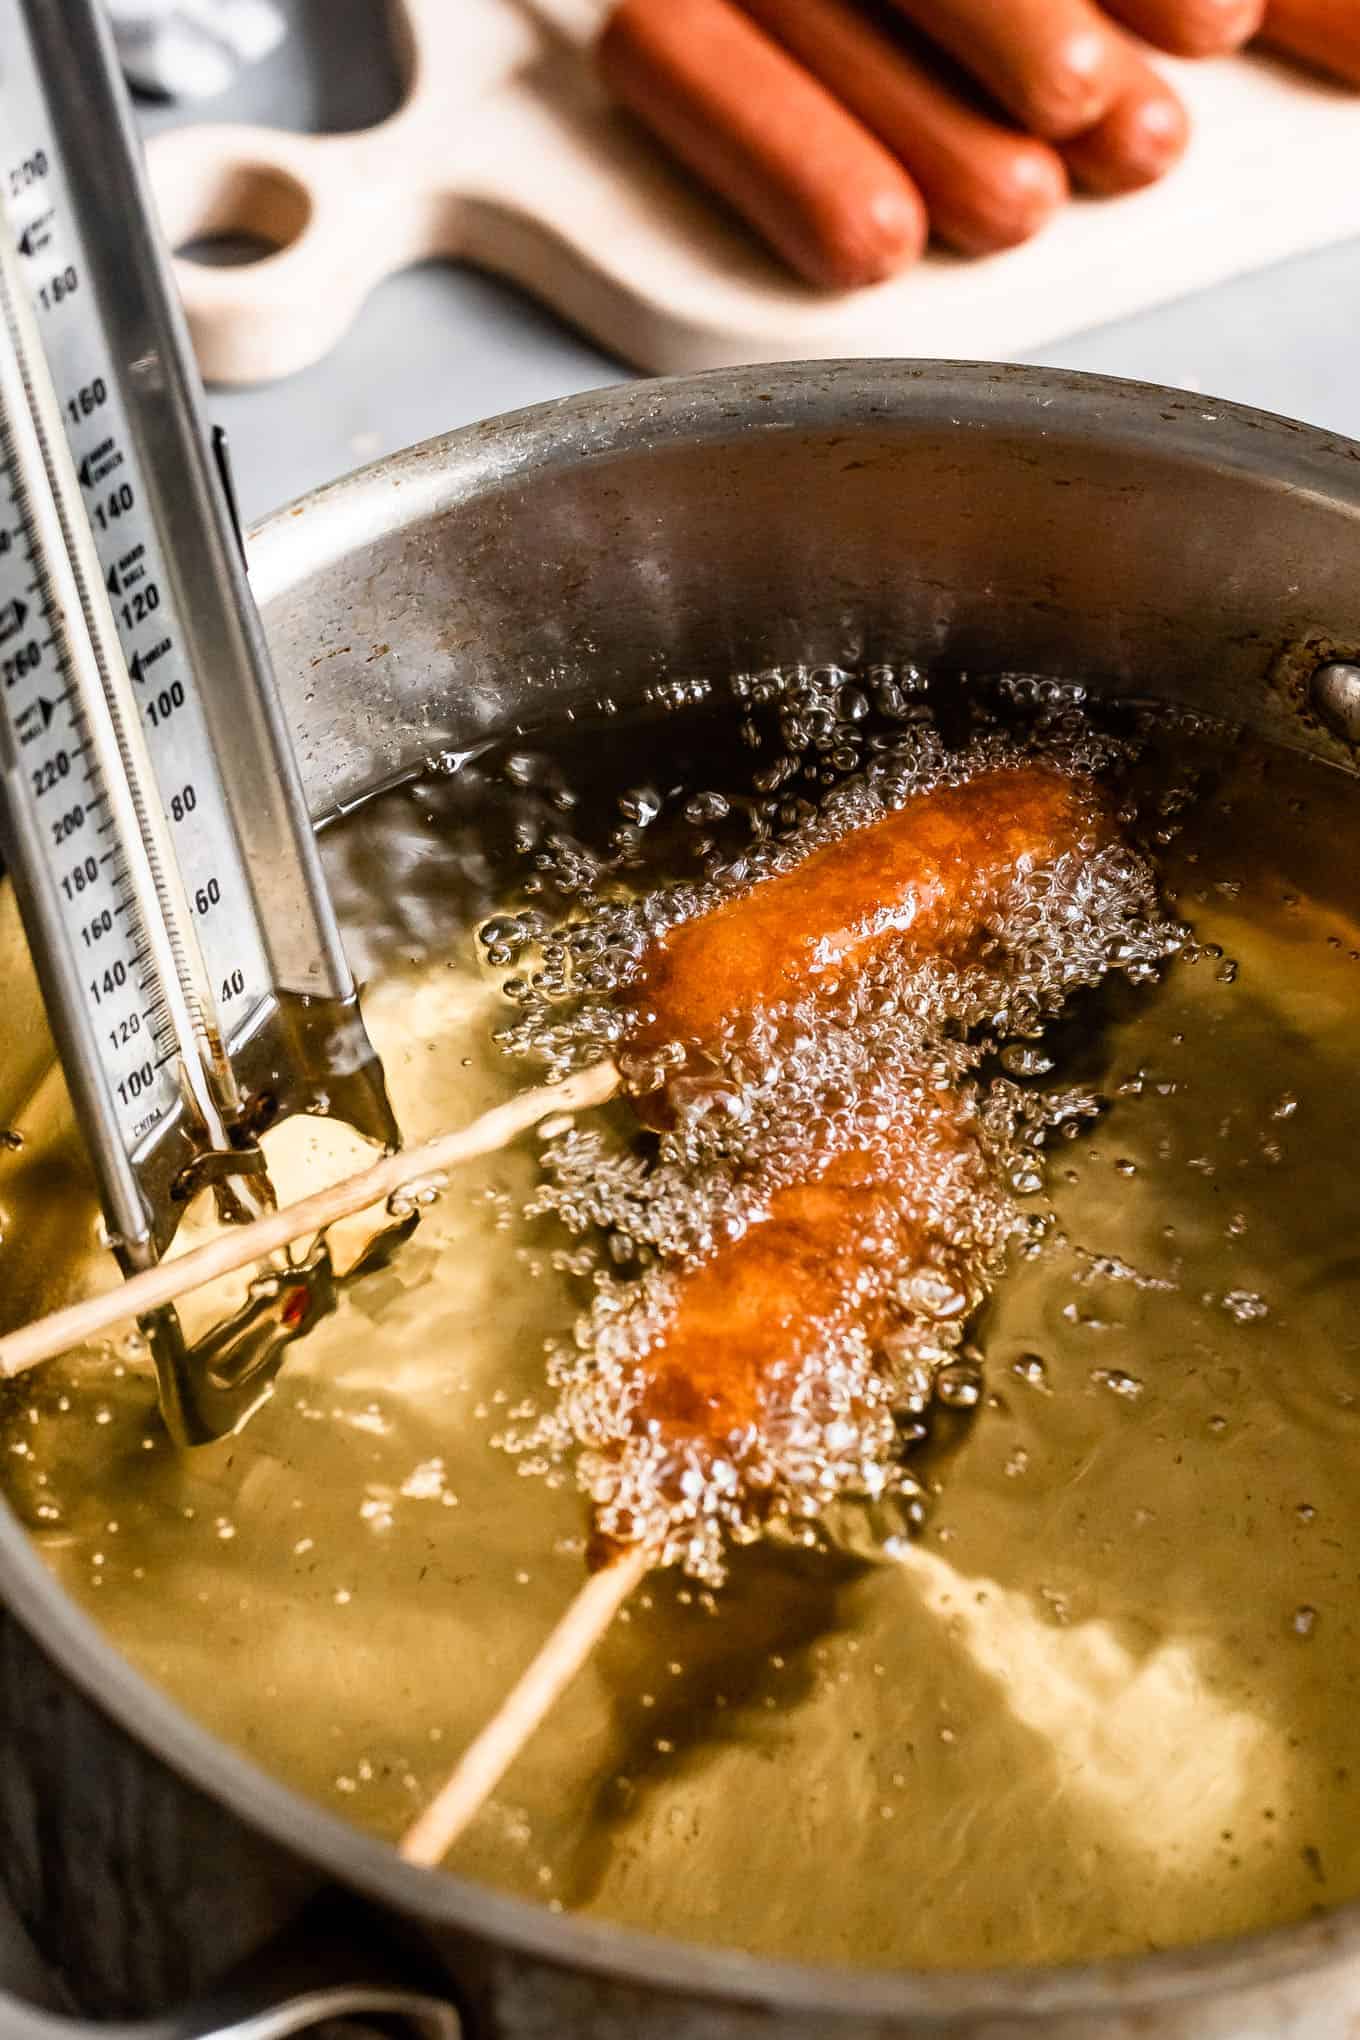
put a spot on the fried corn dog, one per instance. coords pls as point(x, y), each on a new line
point(920, 880)
point(777, 1367)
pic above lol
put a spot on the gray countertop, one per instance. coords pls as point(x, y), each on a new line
point(441, 346)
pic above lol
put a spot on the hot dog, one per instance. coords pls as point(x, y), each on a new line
point(1143, 135)
point(919, 879)
point(1325, 33)
point(1055, 65)
point(1192, 28)
point(986, 186)
point(760, 130)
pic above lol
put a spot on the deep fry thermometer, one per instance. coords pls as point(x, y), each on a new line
point(153, 818)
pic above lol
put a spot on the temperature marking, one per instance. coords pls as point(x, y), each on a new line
point(151, 1012)
point(94, 418)
point(91, 880)
point(28, 172)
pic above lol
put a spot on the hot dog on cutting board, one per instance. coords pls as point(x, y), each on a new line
point(844, 141)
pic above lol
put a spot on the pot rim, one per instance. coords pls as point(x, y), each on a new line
point(651, 414)
point(399, 490)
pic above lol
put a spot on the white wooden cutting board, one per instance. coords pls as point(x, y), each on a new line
point(505, 153)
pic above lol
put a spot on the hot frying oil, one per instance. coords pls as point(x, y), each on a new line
point(1086, 1686)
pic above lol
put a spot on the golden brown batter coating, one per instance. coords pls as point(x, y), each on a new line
point(922, 879)
point(751, 1322)
point(770, 1382)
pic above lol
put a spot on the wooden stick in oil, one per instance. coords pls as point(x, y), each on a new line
point(487, 1759)
point(242, 1245)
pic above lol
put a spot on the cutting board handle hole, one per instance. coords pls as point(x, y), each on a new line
point(233, 214)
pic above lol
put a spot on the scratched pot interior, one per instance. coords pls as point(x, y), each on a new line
point(1103, 1703)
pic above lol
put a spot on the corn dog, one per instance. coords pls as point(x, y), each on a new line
point(919, 880)
point(772, 1378)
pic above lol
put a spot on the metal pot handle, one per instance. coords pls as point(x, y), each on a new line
point(402, 2012)
point(311, 1974)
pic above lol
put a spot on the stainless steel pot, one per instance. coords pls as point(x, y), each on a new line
point(1139, 537)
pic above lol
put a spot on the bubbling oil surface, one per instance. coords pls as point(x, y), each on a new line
point(1097, 1699)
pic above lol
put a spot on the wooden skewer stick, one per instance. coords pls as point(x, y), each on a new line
point(238, 1247)
point(486, 1760)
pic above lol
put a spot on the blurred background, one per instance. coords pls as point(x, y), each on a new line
point(441, 344)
